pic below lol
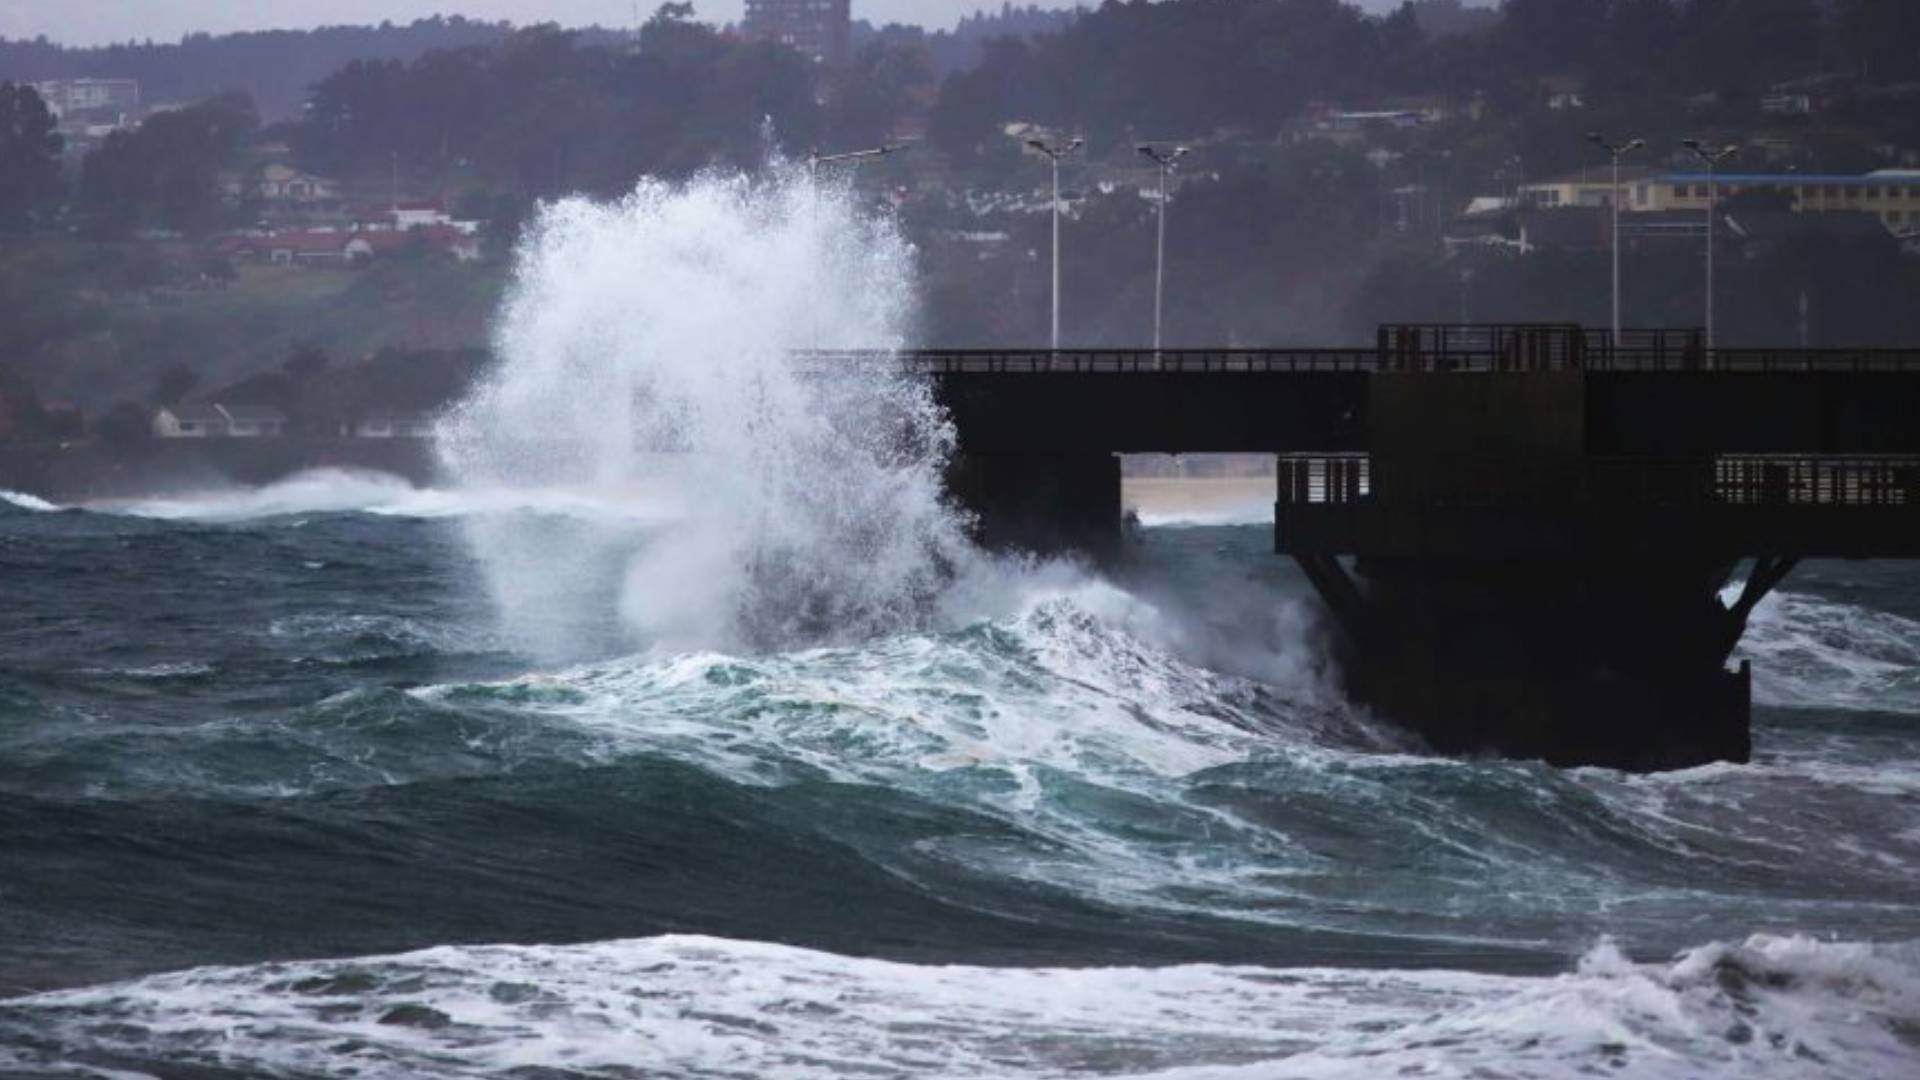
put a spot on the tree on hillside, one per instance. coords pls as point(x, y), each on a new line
point(1544, 36)
point(304, 362)
point(125, 429)
point(174, 384)
point(1880, 39)
point(886, 81)
point(29, 158)
point(165, 174)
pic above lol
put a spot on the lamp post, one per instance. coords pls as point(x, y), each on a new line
point(1054, 152)
point(815, 159)
point(1165, 159)
point(1712, 158)
point(1616, 153)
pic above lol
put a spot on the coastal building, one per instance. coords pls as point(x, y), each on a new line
point(394, 426)
point(820, 29)
point(1891, 195)
point(331, 246)
point(1588, 187)
point(68, 97)
point(215, 421)
point(284, 184)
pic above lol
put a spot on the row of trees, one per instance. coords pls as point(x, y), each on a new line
point(276, 67)
point(525, 115)
point(1135, 68)
point(29, 160)
point(164, 174)
point(541, 113)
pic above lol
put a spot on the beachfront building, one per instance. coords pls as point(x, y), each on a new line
point(1891, 195)
point(1589, 187)
point(215, 421)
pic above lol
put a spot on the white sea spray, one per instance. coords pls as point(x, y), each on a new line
point(646, 354)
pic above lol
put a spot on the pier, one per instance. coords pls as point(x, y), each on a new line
point(1528, 537)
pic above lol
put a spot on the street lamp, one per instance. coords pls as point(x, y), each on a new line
point(815, 159)
point(1713, 158)
point(1615, 152)
point(1165, 159)
point(1054, 152)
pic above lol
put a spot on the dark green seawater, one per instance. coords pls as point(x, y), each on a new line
point(255, 756)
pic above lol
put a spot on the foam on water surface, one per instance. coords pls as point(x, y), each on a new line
point(1765, 1007)
point(23, 501)
point(1808, 651)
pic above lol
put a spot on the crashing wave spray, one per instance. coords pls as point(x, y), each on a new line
point(645, 355)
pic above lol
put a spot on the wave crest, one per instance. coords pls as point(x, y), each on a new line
point(1768, 1007)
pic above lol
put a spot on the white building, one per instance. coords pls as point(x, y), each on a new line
point(1589, 187)
point(285, 184)
point(67, 96)
point(394, 426)
point(197, 421)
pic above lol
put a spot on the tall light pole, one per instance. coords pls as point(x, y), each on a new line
point(1054, 152)
point(1165, 159)
point(1616, 153)
point(1712, 158)
point(815, 159)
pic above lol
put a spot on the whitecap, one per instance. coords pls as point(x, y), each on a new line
point(682, 1005)
point(24, 501)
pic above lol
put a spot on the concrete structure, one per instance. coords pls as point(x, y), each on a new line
point(66, 97)
point(393, 426)
point(1592, 187)
point(214, 421)
point(346, 246)
point(821, 29)
point(285, 184)
point(1522, 534)
point(1892, 195)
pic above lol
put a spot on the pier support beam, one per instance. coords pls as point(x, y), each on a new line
point(1041, 502)
point(1617, 664)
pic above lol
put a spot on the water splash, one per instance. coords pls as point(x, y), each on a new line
point(646, 356)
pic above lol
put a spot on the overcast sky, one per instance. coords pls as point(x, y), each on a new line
point(92, 22)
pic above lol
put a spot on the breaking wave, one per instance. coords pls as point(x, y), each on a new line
point(343, 491)
point(1765, 1007)
point(22, 501)
point(1808, 651)
point(650, 343)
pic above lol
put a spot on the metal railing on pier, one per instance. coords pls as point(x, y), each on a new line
point(1649, 352)
point(1091, 361)
point(1752, 481)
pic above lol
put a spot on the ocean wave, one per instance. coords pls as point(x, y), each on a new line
point(1248, 512)
point(1055, 687)
point(22, 501)
point(1808, 651)
point(344, 491)
point(699, 1006)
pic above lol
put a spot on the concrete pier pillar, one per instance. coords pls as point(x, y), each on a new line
point(1619, 664)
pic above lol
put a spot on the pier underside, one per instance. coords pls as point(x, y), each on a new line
point(1040, 502)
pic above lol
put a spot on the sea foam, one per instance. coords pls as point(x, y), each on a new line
point(649, 343)
point(1760, 1008)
